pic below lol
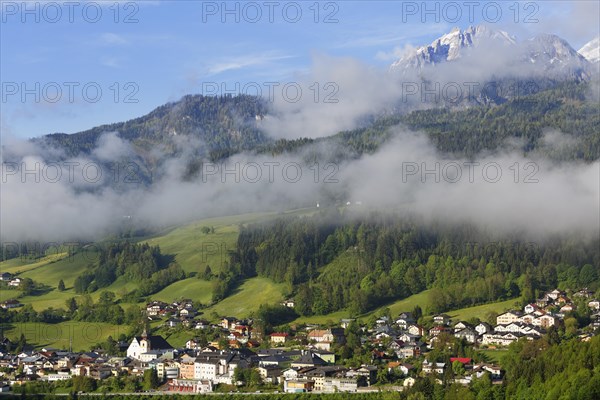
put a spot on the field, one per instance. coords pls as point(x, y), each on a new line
point(190, 288)
point(248, 297)
point(483, 310)
point(49, 271)
point(407, 304)
point(494, 356)
point(82, 334)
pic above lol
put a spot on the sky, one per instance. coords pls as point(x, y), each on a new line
point(69, 66)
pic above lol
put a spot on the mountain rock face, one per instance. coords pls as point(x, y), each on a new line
point(556, 57)
point(591, 50)
point(450, 46)
point(500, 66)
point(547, 56)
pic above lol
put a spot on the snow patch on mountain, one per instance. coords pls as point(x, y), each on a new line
point(591, 50)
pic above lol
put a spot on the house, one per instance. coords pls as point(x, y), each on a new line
point(228, 322)
point(460, 325)
point(339, 383)
point(585, 293)
point(555, 294)
point(508, 317)
point(545, 321)
point(414, 329)
point(289, 303)
point(15, 282)
point(405, 368)
point(327, 356)
point(594, 304)
point(494, 371)
point(369, 372)
point(437, 330)
point(385, 331)
point(190, 386)
point(527, 319)
point(173, 322)
point(463, 360)
point(469, 334)
point(201, 324)
point(544, 301)
point(567, 308)
point(277, 360)
point(279, 337)
point(155, 308)
point(298, 385)
point(562, 299)
point(404, 320)
point(324, 338)
point(345, 323)
point(187, 313)
point(10, 303)
point(5, 277)
point(269, 373)
point(193, 344)
point(408, 338)
point(433, 367)
point(530, 308)
point(409, 382)
point(441, 319)
point(308, 359)
point(145, 343)
point(502, 339)
point(482, 328)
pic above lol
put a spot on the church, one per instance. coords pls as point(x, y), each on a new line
point(145, 343)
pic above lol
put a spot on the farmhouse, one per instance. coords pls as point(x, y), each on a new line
point(279, 338)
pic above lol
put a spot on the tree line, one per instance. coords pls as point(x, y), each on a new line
point(333, 262)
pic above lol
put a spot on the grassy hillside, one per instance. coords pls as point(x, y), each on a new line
point(83, 334)
point(192, 248)
point(248, 297)
point(20, 265)
point(483, 310)
point(191, 288)
point(407, 304)
point(49, 271)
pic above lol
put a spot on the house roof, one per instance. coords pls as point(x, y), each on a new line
point(156, 342)
point(463, 360)
point(318, 333)
point(309, 358)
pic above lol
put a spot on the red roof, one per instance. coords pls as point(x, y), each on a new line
point(463, 360)
point(279, 334)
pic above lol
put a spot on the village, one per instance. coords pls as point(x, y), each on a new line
point(303, 357)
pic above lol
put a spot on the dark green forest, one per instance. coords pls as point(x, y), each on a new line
point(342, 261)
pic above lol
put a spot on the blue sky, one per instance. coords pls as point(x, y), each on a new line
point(144, 54)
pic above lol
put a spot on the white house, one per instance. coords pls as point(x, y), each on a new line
point(507, 317)
point(15, 282)
point(436, 367)
point(594, 304)
point(483, 328)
